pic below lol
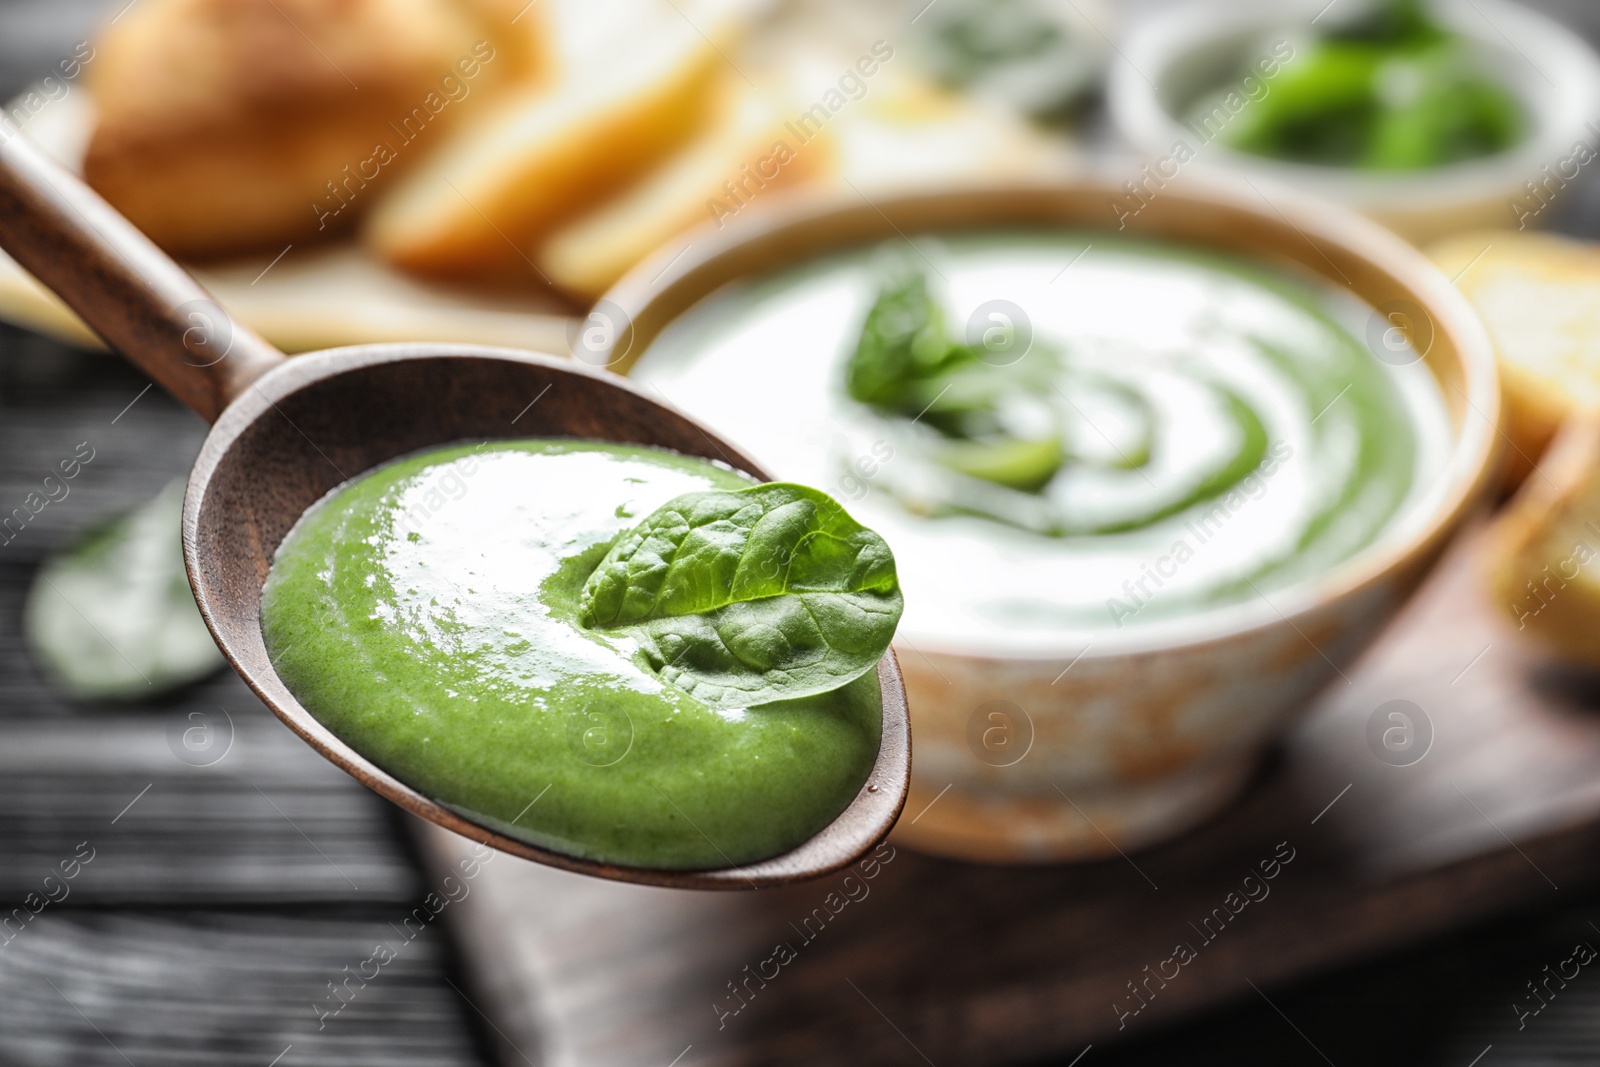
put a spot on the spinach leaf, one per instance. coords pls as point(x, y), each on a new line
point(903, 344)
point(112, 618)
point(1388, 89)
point(906, 365)
point(1390, 22)
point(748, 596)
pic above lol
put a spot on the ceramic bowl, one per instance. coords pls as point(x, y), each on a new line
point(1146, 730)
point(1179, 56)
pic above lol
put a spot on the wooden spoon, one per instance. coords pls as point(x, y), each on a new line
point(285, 432)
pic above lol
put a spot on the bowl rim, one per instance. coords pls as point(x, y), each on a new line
point(1563, 116)
point(682, 274)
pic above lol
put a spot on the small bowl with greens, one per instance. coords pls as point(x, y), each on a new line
point(1428, 116)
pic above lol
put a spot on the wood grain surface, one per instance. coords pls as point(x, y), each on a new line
point(220, 899)
point(577, 972)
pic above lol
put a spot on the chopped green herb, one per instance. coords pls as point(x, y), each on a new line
point(1391, 90)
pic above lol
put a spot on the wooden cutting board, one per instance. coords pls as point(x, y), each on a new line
point(914, 960)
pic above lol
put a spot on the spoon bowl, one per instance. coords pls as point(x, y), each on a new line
point(286, 432)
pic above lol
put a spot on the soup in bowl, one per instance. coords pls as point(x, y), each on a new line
point(1150, 488)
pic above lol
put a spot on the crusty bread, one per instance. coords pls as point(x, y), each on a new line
point(480, 204)
point(1539, 297)
point(746, 155)
point(232, 125)
point(901, 133)
point(1543, 553)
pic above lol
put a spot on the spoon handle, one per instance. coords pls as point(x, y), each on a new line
point(134, 296)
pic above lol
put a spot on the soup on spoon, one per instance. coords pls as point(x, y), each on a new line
point(746, 598)
point(621, 653)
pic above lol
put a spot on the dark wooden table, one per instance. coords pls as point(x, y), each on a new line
point(219, 900)
point(222, 900)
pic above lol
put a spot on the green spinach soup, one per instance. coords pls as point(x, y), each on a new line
point(1072, 438)
point(623, 654)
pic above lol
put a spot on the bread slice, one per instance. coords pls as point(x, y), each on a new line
point(1539, 297)
point(747, 155)
point(500, 187)
point(1543, 552)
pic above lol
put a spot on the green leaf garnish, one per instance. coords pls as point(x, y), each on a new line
point(903, 344)
point(748, 596)
point(906, 365)
point(1023, 465)
point(112, 618)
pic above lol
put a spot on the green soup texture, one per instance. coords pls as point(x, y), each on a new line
point(427, 613)
point(1165, 432)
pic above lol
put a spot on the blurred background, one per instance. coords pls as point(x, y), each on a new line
point(187, 882)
